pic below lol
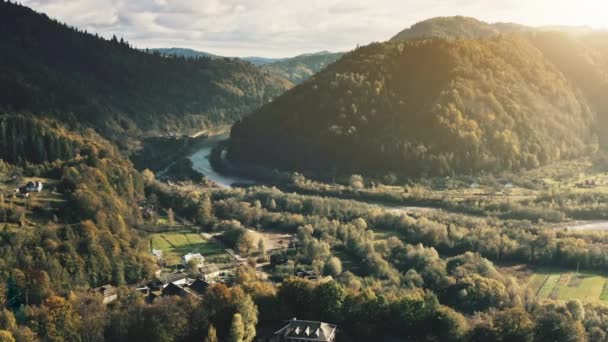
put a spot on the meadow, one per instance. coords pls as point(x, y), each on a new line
point(175, 244)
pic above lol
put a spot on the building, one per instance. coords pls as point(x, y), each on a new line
point(178, 278)
point(158, 254)
point(301, 331)
point(108, 292)
point(197, 257)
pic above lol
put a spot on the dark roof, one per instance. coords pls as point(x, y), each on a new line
point(308, 331)
point(174, 290)
point(199, 286)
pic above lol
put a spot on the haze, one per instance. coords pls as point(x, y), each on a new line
point(277, 28)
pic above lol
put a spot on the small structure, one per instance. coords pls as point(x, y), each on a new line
point(108, 293)
point(297, 330)
point(178, 278)
point(198, 287)
point(509, 185)
point(174, 290)
point(30, 187)
point(158, 254)
point(210, 271)
point(196, 257)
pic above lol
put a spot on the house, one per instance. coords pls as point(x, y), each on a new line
point(174, 290)
point(158, 254)
point(210, 271)
point(108, 292)
point(300, 331)
point(196, 257)
point(509, 185)
point(198, 287)
point(178, 278)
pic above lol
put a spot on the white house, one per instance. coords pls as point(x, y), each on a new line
point(158, 254)
point(200, 260)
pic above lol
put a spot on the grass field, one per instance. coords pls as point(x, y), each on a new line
point(566, 285)
point(175, 244)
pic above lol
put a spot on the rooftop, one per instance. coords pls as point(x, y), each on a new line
point(308, 331)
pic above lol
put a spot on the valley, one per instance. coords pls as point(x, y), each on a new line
point(447, 184)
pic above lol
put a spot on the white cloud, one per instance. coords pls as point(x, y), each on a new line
point(288, 27)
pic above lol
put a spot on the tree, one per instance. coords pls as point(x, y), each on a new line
point(356, 181)
point(262, 249)
point(514, 324)
point(6, 336)
point(149, 176)
point(556, 324)
point(237, 329)
point(170, 217)
point(211, 334)
point(333, 266)
point(58, 321)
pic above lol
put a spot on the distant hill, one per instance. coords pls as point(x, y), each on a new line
point(52, 69)
point(182, 52)
point(261, 61)
point(457, 27)
point(295, 69)
point(302, 67)
point(434, 107)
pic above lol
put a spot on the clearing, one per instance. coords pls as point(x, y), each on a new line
point(175, 244)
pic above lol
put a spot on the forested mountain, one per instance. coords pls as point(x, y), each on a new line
point(48, 67)
point(302, 67)
point(295, 69)
point(182, 52)
point(429, 106)
point(457, 27)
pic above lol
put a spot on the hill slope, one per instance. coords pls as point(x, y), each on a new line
point(295, 69)
point(48, 67)
point(457, 27)
point(423, 107)
point(300, 68)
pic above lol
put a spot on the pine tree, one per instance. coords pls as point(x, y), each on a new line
point(211, 334)
point(237, 329)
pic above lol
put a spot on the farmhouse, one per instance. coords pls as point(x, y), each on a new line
point(297, 330)
point(108, 292)
point(158, 254)
point(196, 257)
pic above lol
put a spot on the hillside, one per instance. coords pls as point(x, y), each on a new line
point(302, 67)
point(295, 69)
point(47, 67)
point(424, 107)
point(457, 27)
point(182, 52)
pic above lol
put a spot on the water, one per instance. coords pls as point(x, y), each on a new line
point(201, 163)
point(589, 226)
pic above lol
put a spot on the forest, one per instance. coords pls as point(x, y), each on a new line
point(437, 107)
point(50, 68)
point(422, 189)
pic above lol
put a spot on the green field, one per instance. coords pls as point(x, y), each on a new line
point(175, 244)
point(566, 285)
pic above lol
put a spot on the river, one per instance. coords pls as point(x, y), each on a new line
point(201, 163)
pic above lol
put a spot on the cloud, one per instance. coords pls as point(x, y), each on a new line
point(288, 27)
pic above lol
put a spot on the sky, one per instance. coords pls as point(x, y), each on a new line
point(281, 28)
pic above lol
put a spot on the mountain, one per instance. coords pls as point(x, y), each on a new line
point(302, 67)
point(457, 27)
point(182, 52)
point(429, 107)
point(295, 69)
point(261, 61)
point(52, 69)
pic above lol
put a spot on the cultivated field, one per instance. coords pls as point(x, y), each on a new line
point(175, 244)
point(566, 285)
